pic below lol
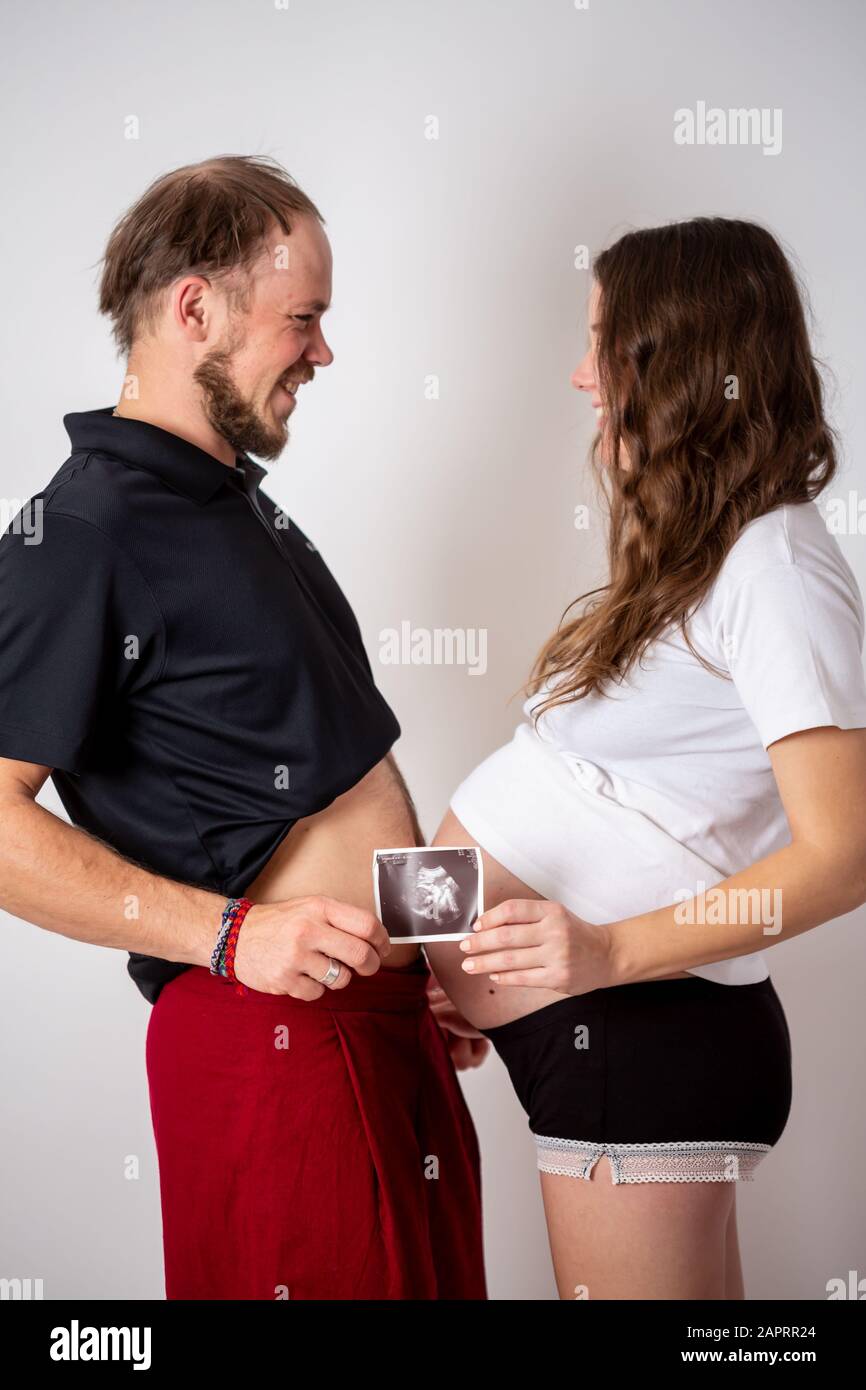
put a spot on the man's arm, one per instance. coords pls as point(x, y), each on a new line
point(69, 882)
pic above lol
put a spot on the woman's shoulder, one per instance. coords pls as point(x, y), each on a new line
point(794, 536)
point(785, 570)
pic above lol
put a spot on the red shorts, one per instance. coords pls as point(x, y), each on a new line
point(312, 1150)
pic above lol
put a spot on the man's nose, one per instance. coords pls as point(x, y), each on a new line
point(318, 352)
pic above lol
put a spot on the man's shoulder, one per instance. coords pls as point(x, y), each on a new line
point(87, 503)
point(93, 490)
point(89, 486)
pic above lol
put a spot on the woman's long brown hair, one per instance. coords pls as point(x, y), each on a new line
point(713, 396)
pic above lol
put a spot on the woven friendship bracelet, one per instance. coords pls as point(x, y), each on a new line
point(225, 927)
point(219, 948)
point(233, 914)
point(223, 957)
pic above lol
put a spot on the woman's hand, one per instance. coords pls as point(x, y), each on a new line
point(540, 944)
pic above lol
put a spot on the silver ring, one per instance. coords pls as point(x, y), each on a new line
point(333, 972)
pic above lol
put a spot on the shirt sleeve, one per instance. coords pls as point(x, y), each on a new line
point(792, 638)
point(80, 632)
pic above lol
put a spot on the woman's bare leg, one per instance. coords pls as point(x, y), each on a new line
point(619, 1241)
point(655, 1240)
point(734, 1289)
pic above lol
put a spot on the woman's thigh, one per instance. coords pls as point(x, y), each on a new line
point(641, 1240)
point(648, 1103)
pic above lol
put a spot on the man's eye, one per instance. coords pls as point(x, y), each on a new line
point(301, 318)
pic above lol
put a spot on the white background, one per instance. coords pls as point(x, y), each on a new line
point(453, 257)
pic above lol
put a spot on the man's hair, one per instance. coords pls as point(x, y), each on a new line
point(207, 219)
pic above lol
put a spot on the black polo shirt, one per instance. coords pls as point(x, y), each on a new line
point(178, 652)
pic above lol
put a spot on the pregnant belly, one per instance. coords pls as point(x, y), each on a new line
point(486, 1005)
point(332, 852)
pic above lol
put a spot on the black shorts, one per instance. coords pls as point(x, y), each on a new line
point(678, 1080)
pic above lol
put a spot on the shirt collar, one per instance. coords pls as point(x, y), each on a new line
point(182, 465)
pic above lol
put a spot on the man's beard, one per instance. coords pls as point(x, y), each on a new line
point(233, 417)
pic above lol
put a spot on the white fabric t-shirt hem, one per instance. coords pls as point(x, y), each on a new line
point(735, 970)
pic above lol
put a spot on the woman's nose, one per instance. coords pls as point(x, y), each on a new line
point(583, 376)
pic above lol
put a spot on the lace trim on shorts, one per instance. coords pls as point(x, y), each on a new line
point(680, 1162)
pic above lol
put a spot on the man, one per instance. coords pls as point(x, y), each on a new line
point(178, 658)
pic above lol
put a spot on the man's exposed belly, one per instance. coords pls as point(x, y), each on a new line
point(332, 852)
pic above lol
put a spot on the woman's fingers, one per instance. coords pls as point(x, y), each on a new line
point(513, 910)
point(526, 958)
point(534, 979)
point(504, 938)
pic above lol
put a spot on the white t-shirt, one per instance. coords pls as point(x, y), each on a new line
point(661, 787)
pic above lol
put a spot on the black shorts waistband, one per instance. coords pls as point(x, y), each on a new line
point(596, 1000)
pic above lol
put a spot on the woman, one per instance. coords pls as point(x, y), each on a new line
point(693, 761)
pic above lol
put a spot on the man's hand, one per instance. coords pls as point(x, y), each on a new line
point(284, 947)
point(466, 1053)
point(466, 1045)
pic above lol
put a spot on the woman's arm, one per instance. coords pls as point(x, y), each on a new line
point(820, 875)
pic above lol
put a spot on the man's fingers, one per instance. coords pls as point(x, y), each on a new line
point(318, 967)
point(480, 1049)
point(460, 1050)
point(451, 1021)
point(512, 910)
point(357, 922)
point(468, 1052)
point(352, 951)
